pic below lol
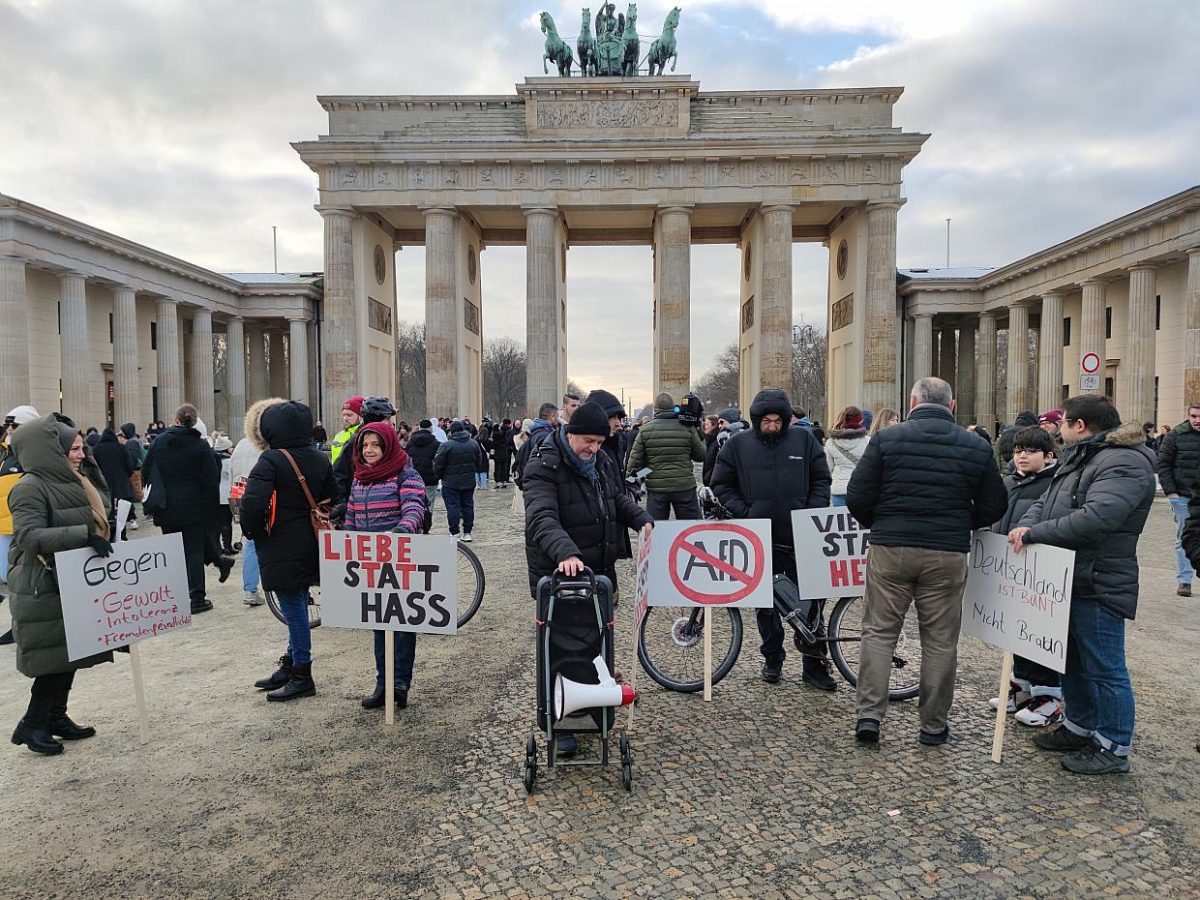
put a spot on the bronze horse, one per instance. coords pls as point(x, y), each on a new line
point(630, 46)
point(586, 46)
point(556, 49)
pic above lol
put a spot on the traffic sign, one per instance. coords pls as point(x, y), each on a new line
point(723, 563)
point(1089, 382)
point(1089, 364)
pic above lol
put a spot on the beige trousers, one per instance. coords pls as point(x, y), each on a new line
point(933, 580)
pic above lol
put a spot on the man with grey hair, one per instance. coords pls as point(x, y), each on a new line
point(922, 487)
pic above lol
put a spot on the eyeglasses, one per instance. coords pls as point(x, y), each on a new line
point(1025, 451)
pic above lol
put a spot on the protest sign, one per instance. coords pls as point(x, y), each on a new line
point(641, 599)
point(831, 552)
point(1019, 601)
point(725, 563)
point(223, 489)
point(389, 582)
point(138, 592)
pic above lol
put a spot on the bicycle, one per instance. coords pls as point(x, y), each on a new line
point(471, 583)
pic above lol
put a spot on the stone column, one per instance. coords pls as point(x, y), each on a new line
point(1091, 331)
point(544, 378)
point(985, 372)
point(127, 386)
point(260, 385)
point(922, 347)
point(1018, 360)
point(879, 333)
point(170, 361)
point(14, 336)
point(775, 303)
point(673, 304)
point(442, 314)
point(78, 380)
point(1191, 343)
point(276, 367)
point(339, 330)
point(964, 387)
point(1135, 399)
point(201, 387)
point(235, 376)
point(298, 359)
point(1050, 353)
point(947, 366)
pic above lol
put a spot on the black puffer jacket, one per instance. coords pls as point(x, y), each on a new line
point(1178, 465)
point(422, 447)
point(758, 477)
point(457, 461)
point(1097, 505)
point(927, 483)
point(287, 548)
point(565, 515)
point(183, 466)
point(1023, 492)
point(115, 464)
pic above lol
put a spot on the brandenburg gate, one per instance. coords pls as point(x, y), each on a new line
point(603, 161)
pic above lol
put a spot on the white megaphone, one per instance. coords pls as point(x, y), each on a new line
point(570, 696)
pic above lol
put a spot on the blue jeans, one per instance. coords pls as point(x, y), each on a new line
point(1183, 568)
point(5, 543)
point(481, 480)
point(837, 500)
point(295, 609)
point(249, 566)
point(460, 504)
point(1097, 693)
point(405, 652)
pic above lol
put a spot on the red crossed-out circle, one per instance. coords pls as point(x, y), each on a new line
point(750, 580)
point(1090, 363)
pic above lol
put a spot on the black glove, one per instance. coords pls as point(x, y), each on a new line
point(100, 545)
point(337, 515)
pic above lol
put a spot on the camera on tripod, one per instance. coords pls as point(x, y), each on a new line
point(690, 410)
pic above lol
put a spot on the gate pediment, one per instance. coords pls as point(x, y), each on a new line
point(617, 108)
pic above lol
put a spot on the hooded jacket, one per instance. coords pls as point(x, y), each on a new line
point(116, 465)
point(843, 451)
point(1097, 505)
point(1178, 464)
point(927, 483)
point(669, 448)
point(422, 448)
point(287, 546)
point(51, 513)
point(182, 467)
point(457, 461)
point(1023, 492)
point(1004, 443)
point(766, 477)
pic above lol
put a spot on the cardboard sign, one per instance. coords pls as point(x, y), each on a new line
point(642, 592)
point(831, 552)
point(223, 489)
point(725, 563)
point(389, 582)
point(140, 591)
point(1019, 601)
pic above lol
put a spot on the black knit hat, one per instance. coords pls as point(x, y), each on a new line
point(609, 403)
point(591, 419)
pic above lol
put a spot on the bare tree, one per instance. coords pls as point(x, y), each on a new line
point(504, 365)
point(574, 388)
point(410, 371)
point(718, 387)
point(809, 355)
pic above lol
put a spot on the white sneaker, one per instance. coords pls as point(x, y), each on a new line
point(253, 598)
point(1041, 712)
point(466, 537)
point(1017, 698)
point(132, 526)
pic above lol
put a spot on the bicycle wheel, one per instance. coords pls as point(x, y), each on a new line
point(845, 645)
point(671, 645)
point(314, 606)
point(470, 584)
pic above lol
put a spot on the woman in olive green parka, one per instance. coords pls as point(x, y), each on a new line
point(59, 504)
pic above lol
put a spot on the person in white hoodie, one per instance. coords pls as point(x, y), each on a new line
point(846, 445)
point(244, 456)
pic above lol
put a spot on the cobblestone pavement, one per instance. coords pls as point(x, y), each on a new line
point(761, 793)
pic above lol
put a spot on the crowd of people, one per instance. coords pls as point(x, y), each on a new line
point(1073, 477)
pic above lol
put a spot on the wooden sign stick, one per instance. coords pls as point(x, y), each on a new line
point(389, 677)
point(708, 613)
point(1002, 707)
point(633, 667)
point(139, 693)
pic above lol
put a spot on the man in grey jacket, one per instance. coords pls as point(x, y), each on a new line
point(1096, 505)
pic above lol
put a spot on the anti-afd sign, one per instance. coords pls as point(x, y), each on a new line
point(140, 591)
point(831, 552)
point(389, 582)
point(725, 563)
point(1019, 601)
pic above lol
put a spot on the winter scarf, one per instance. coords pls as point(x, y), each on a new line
point(394, 460)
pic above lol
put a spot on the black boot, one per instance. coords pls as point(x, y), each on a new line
point(33, 730)
point(61, 725)
point(279, 677)
point(299, 685)
point(7, 637)
point(224, 567)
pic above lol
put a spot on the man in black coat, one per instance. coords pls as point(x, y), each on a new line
point(921, 487)
point(456, 463)
point(1178, 470)
point(576, 505)
point(1096, 505)
point(422, 448)
point(502, 447)
point(765, 472)
point(116, 466)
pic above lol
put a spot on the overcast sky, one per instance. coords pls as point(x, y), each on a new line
point(169, 123)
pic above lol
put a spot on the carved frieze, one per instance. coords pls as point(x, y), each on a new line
point(576, 115)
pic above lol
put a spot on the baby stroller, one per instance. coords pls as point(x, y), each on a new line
point(575, 641)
